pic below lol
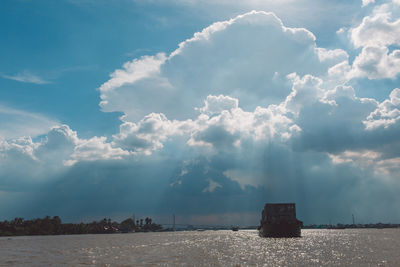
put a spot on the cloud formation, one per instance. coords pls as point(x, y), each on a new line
point(18, 123)
point(246, 58)
point(25, 77)
point(386, 114)
point(247, 111)
point(378, 36)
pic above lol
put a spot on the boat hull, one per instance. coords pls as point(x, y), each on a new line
point(282, 229)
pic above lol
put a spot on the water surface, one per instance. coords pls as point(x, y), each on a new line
point(348, 247)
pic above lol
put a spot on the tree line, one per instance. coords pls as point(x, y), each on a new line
point(54, 226)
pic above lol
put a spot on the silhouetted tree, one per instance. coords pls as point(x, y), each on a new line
point(54, 226)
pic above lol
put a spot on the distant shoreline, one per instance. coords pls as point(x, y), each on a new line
point(54, 226)
point(352, 226)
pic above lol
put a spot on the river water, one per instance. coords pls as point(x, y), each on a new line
point(348, 247)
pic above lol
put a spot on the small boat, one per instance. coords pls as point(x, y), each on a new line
point(235, 229)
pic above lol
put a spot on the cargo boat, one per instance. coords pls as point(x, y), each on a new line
point(279, 220)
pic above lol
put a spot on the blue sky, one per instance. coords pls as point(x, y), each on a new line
point(62, 42)
point(203, 109)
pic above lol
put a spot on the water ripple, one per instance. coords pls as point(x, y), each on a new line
point(349, 247)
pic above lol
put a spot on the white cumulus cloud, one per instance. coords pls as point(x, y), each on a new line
point(246, 58)
point(379, 37)
point(386, 114)
point(367, 2)
point(376, 63)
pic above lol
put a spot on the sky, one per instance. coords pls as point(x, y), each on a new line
point(203, 109)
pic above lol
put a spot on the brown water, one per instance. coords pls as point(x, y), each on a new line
point(349, 247)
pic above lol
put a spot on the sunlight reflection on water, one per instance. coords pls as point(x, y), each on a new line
point(349, 247)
